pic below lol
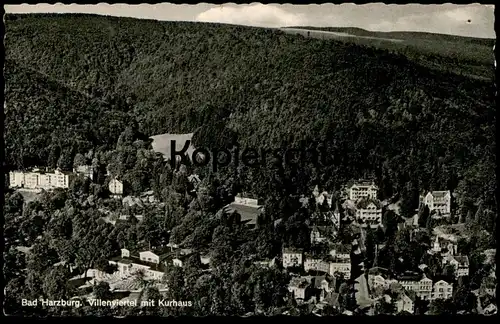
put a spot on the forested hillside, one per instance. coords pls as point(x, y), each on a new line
point(377, 112)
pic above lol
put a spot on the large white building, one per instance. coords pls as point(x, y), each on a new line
point(116, 187)
point(37, 179)
point(421, 286)
point(367, 190)
point(439, 201)
point(442, 290)
point(370, 212)
point(342, 266)
point(152, 263)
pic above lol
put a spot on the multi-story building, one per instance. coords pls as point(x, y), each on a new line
point(363, 190)
point(314, 264)
point(405, 303)
point(438, 201)
point(460, 262)
point(292, 258)
point(422, 286)
point(38, 179)
point(442, 290)
point(370, 212)
point(301, 288)
point(152, 263)
point(342, 266)
point(115, 187)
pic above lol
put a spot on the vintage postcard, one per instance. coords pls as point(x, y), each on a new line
point(248, 160)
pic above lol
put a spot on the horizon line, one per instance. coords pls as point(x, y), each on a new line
point(243, 25)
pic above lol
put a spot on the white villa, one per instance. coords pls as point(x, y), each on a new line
point(439, 201)
point(422, 287)
point(116, 188)
point(151, 262)
point(316, 265)
point(370, 212)
point(442, 290)
point(342, 266)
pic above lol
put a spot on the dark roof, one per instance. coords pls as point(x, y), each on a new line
point(439, 193)
point(153, 266)
point(416, 277)
point(318, 280)
point(489, 281)
point(299, 282)
point(412, 295)
point(363, 203)
point(332, 298)
point(320, 229)
point(463, 260)
point(342, 248)
point(292, 250)
point(378, 271)
point(248, 214)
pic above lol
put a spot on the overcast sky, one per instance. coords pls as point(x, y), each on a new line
point(466, 20)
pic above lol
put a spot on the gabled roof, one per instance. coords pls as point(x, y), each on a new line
point(363, 203)
point(361, 183)
point(299, 282)
point(411, 295)
point(318, 280)
point(292, 250)
point(439, 194)
point(378, 271)
point(462, 260)
point(342, 248)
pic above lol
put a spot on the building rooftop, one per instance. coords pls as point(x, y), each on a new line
point(438, 194)
point(134, 260)
point(299, 282)
point(248, 214)
point(463, 260)
point(410, 277)
point(341, 249)
point(378, 271)
point(292, 250)
point(363, 203)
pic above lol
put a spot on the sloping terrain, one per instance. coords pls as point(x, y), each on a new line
point(376, 110)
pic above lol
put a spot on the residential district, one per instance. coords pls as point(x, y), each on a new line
point(344, 258)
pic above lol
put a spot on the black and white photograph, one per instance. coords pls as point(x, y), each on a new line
point(249, 160)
